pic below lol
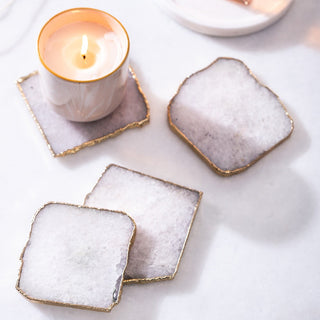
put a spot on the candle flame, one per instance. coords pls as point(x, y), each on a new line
point(84, 47)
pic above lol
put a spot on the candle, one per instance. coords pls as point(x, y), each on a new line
point(83, 51)
point(63, 51)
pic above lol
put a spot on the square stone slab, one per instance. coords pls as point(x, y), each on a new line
point(67, 137)
point(163, 213)
point(228, 117)
point(76, 257)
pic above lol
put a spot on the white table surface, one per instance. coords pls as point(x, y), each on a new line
point(254, 249)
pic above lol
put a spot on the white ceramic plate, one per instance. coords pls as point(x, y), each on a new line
point(225, 17)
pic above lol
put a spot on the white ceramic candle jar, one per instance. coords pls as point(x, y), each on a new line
point(84, 63)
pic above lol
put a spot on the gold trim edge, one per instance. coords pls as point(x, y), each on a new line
point(63, 304)
point(195, 210)
point(218, 170)
point(135, 124)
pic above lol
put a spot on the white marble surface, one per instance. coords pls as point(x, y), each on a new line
point(254, 249)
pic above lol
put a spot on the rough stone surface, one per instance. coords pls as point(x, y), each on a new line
point(163, 213)
point(63, 135)
point(231, 118)
point(76, 256)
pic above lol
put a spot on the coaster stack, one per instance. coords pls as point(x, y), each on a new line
point(80, 256)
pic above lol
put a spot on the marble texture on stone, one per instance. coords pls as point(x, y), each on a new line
point(162, 211)
point(76, 257)
point(228, 116)
point(67, 137)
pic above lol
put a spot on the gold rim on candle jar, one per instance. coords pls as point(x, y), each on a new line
point(83, 9)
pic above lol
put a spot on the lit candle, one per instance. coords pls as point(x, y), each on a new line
point(85, 46)
point(103, 51)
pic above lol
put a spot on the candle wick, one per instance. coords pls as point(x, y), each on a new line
point(84, 57)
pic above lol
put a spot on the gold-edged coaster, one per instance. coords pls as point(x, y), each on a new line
point(66, 137)
point(76, 256)
point(228, 116)
point(163, 212)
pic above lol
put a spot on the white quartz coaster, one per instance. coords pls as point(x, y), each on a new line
point(228, 116)
point(226, 17)
point(163, 212)
point(66, 137)
point(76, 257)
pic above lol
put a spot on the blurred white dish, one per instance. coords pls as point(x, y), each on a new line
point(225, 17)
